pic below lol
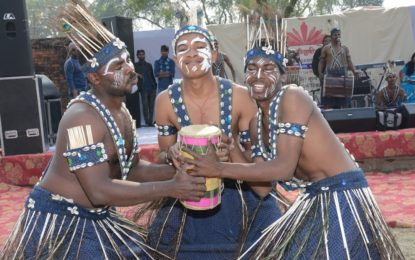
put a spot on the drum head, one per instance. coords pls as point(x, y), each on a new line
point(200, 131)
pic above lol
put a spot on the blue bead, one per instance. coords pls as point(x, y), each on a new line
point(191, 27)
point(343, 182)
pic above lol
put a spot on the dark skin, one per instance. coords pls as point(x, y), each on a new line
point(200, 93)
point(100, 184)
point(327, 58)
point(390, 88)
point(318, 156)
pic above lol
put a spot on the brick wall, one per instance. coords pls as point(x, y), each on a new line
point(49, 55)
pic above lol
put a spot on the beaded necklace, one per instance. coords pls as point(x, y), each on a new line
point(225, 105)
point(124, 160)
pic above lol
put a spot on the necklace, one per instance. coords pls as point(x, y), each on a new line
point(203, 112)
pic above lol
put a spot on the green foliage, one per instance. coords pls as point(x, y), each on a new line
point(161, 13)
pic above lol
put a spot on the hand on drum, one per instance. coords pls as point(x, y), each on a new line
point(173, 153)
point(201, 165)
point(225, 146)
point(187, 187)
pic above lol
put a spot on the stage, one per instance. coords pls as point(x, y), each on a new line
point(394, 191)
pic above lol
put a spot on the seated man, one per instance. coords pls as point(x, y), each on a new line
point(336, 217)
point(70, 212)
point(201, 98)
point(390, 96)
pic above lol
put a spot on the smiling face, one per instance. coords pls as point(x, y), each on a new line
point(263, 77)
point(118, 75)
point(193, 55)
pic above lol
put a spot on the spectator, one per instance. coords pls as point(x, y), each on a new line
point(407, 75)
point(164, 69)
point(147, 86)
point(335, 60)
point(75, 78)
point(316, 57)
point(390, 96)
point(219, 65)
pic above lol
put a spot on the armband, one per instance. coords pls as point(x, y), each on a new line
point(166, 130)
point(256, 151)
point(85, 156)
point(244, 137)
point(292, 129)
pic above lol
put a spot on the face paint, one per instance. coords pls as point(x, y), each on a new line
point(204, 52)
point(118, 78)
point(262, 77)
point(107, 66)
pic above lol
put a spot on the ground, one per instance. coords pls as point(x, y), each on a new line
point(406, 240)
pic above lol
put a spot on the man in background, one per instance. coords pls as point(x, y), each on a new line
point(147, 86)
point(164, 69)
point(219, 65)
point(335, 61)
point(75, 78)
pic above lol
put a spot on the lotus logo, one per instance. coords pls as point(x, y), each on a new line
point(9, 16)
point(305, 36)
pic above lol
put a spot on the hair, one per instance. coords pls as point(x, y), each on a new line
point(410, 66)
point(334, 30)
point(325, 37)
point(140, 51)
point(164, 48)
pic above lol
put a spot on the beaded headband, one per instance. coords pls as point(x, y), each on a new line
point(265, 52)
point(262, 45)
point(193, 29)
point(91, 38)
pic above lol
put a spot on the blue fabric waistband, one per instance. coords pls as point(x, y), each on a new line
point(42, 200)
point(353, 179)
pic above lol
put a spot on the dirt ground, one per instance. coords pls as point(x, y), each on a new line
point(406, 240)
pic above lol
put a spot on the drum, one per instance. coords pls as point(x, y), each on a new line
point(338, 86)
point(197, 138)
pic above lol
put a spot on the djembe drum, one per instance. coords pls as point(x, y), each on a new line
point(197, 139)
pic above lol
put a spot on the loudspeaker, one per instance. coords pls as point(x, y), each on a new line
point(53, 109)
point(408, 114)
point(16, 50)
point(122, 27)
point(22, 124)
point(351, 120)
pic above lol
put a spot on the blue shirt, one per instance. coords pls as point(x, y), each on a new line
point(74, 76)
point(164, 65)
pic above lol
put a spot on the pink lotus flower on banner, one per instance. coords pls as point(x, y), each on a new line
point(305, 37)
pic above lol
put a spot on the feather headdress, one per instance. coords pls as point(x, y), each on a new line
point(96, 44)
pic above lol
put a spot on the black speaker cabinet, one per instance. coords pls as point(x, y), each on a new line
point(22, 124)
point(408, 115)
point(351, 120)
point(53, 109)
point(122, 27)
point(16, 50)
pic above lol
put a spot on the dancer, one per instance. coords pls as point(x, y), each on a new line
point(202, 98)
point(69, 214)
point(336, 216)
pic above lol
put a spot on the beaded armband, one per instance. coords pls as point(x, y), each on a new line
point(256, 151)
point(85, 156)
point(166, 130)
point(244, 137)
point(292, 129)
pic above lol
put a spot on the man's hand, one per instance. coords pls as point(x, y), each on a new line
point(225, 146)
point(74, 93)
point(173, 153)
point(201, 165)
point(140, 75)
point(186, 187)
point(164, 74)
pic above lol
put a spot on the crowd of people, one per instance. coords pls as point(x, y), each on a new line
point(272, 135)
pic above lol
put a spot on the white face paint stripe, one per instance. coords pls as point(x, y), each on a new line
point(108, 65)
point(259, 73)
point(198, 39)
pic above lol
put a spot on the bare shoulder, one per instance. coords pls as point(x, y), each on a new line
point(163, 108)
point(80, 114)
point(242, 95)
point(163, 99)
point(296, 96)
